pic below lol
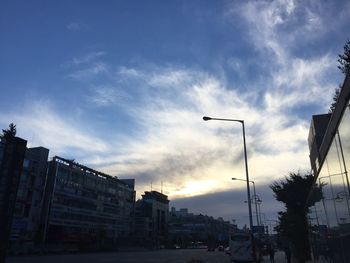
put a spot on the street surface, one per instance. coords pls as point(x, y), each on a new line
point(156, 256)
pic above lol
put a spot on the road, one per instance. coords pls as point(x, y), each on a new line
point(156, 256)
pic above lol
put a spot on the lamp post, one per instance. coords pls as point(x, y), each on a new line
point(205, 118)
point(259, 201)
point(256, 205)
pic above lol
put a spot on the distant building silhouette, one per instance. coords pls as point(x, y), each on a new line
point(180, 213)
point(187, 229)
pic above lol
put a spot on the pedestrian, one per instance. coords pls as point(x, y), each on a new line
point(287, 254)
point(272, 254)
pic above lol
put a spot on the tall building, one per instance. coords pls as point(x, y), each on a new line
point(329, 144)
point(151, 218)
point(26, 224)
point(86, 209)
point(12, 151)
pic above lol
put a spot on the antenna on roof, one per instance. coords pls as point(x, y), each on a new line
point(161, 186)
point(151, 186)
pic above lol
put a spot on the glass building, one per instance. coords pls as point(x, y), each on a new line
point(86, 209)
point(329, 218)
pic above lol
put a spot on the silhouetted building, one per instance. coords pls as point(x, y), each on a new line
point(187, 229)
point(329, 143)
point(180, 212)
point(86, 209)
point(151, 218)
point(26, 224)
point(12, 151)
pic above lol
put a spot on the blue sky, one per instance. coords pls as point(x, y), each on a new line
point(121, 86)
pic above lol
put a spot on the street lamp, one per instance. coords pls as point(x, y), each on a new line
point(259, 201)
point(205, 118)
point(256, 205)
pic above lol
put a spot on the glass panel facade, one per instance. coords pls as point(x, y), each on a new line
point(87, 206)
point(330, 218)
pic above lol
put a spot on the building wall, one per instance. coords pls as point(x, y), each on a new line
point(151, 218)
point(26, 223)
point(86, 206)
point(330, 217)
point(185, 229)
point(317, 131)
point(11, 162)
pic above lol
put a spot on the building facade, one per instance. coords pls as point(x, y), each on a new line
point(12, 151)
point(151, 219)
point(187, 229)
point(26, 226)
point(86, 209)
point(329, 144)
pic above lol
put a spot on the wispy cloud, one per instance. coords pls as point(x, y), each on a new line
point(104, 96)
point(300, 83)
point(87, 58)
point(276, 29)
point(194, 157)
point(89, 72)
point(129, 72)
point(175, 143)
point(46, 127)
point(87, 67)
point(76, 26)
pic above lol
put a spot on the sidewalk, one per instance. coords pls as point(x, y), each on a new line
point(280, 258)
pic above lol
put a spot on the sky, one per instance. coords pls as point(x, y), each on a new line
point(122, 86)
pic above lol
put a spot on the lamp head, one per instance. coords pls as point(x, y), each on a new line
point(205, 118)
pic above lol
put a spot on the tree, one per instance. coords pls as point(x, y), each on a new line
point(344, 66)
point(294, 192)
point(344, 59)
point(335, 99)
point(8, 133)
